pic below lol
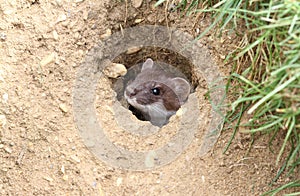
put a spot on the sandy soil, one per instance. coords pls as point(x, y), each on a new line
point(42, 44)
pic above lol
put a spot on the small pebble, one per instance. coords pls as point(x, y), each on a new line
point(133, 50)
point(31, 148)
point(222, 163)
point(3, 36)
point(1, 78)
point(187, 158)
point(151, 17)
point(61, 18)
point(75, 158)
point(58, 2)
point(115, 70)
point(65, 23)
point(139, 20)
point(107, 34)
point(119, 181)
point(48, 59)
point(4, 169)
point(77, 35)
point(8, 150)
point(62, 169)
point(180, 112)
point(48, 178)
point(63, 107)
point(65, 177)
point(2, 120)
point(136, 3)
point(85, 15)
point(55, 35)
point(5, 97)
point(229, 170)
point(7, 11)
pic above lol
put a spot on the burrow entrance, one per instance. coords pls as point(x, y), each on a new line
point(166, 58)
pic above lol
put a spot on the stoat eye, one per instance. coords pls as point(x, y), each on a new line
point(155, 91)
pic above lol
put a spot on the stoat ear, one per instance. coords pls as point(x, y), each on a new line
point(181, 88)
point(148, 64)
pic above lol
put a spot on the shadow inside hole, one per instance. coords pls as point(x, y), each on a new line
point(165, 58)
point(137, 113)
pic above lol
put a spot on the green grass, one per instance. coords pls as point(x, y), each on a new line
point(268, 89)
point(286, 186)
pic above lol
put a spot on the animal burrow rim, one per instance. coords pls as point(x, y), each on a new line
point(89, 74)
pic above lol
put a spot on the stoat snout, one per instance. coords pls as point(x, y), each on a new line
point(130, 91)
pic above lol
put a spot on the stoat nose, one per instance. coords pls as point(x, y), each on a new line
point(130, 92)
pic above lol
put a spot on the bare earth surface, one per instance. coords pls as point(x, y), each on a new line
point(42, 44)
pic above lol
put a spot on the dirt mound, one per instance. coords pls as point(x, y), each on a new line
point(42, 44)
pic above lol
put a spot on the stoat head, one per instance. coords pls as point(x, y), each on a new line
point(156, 94)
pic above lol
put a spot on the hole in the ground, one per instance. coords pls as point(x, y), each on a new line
point(164, 58)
